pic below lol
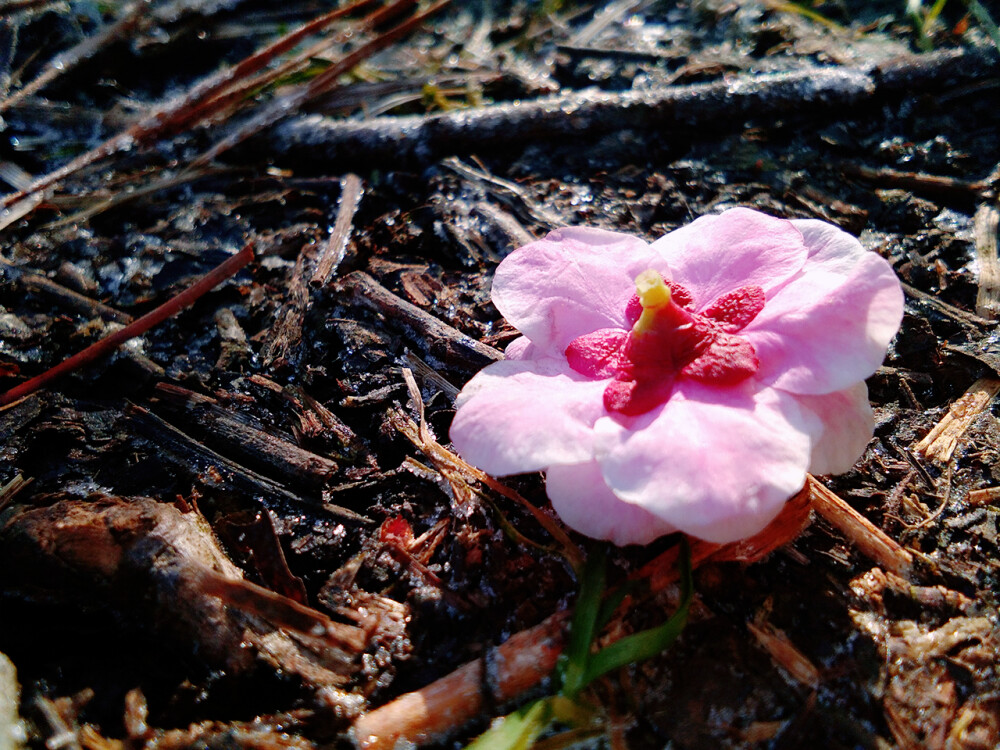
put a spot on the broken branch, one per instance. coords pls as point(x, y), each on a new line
point(692, 108)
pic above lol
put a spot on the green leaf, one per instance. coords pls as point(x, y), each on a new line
point(647, 643)
point(584, 624)
point(516, 731)
point(611, 603)
point(985, 20)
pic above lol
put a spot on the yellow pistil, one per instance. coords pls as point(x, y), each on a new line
point(654, 295)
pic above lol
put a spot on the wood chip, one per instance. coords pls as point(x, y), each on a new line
point(870, 540)
point(332, 252)
point(939, 444)
point(785, 654)
point(985, 231)
point(988, 496)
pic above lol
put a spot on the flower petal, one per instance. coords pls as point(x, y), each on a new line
point(714, 255)
point(519, 348)
point(830, 247)
point(727, 361)
point(519, 416)
point(573, 282)
point(848, 425)
point(823, 332)
point(585, 503)
point(716, 463)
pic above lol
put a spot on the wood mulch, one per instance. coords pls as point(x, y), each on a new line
point(257, 243)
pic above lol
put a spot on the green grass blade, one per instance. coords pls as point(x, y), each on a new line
point(584, 624)
point(983, 17)
point(516, 731)
point(648, 643)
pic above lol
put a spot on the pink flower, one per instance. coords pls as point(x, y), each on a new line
point(685, 385)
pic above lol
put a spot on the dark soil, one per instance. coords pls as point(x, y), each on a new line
point(259, 430)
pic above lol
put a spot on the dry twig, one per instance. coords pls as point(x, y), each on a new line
point(132, 16)
point(334, 248)
point(201, 463)
point(288, 461)
point(986, 224)
point(439, 340)
point(68, 298)
point(719, 104)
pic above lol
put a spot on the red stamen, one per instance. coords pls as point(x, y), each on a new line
point(679, 343)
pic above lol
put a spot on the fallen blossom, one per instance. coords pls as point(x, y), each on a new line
point(688, 384)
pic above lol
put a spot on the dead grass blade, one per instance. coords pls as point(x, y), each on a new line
point(132, 16)
point(175, 115)
point(109, 343)
point(289, 104)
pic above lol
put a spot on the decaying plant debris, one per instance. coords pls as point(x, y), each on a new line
point(246, 529)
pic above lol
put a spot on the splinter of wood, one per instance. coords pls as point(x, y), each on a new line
point(870, 540)
point(521, 662)
point(332, 252)
point(985, 228)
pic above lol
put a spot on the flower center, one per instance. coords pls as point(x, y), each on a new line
point(668, 341)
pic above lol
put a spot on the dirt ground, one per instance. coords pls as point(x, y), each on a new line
point(232, 531)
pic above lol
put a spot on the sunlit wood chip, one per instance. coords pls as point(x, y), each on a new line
point(939, 444)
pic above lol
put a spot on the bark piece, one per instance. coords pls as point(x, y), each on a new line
point(870, 540)
point(230, 435)
point(193, 594)
point(281, 349)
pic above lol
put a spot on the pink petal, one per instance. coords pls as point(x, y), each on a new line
point(573, 282)
point(830, 248)
point(823, 332)
point(585, 503)
point(848, 427)
point(634, 397)
point(714, 255)
point(519, 348)
point(717, 463)
point(520, 416)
